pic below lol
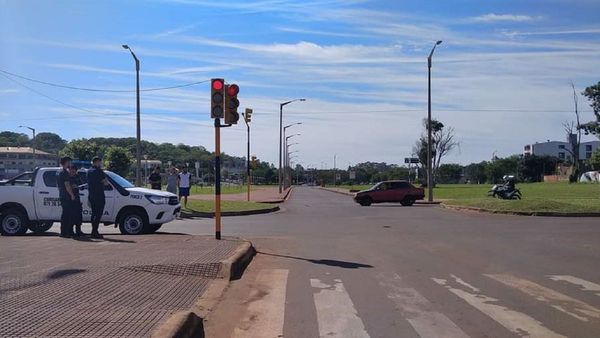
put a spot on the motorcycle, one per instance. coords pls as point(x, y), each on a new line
point(507, 190)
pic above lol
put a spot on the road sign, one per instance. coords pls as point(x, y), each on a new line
point(411, 160)
point(352, 175)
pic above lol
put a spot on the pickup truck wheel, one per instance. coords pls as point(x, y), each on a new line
point(13, 222)
point(407, 202)
point(365, 201)
point(40, 227)
point(132, 223)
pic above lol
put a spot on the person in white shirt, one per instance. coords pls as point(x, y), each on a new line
point(183, 183)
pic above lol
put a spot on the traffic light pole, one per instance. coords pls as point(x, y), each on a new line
point(217, 178)
point(248, 158)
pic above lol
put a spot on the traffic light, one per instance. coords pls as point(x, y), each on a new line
point(248, 115)
point(216, 98)
point(254, 162)
point(231, 104)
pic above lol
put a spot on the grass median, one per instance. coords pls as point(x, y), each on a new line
point(558, 197)
point(226, 206)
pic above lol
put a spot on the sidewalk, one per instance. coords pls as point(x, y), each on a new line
point(119, 286)
point(269, 194)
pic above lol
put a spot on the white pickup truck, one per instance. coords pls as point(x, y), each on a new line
point(31, 201)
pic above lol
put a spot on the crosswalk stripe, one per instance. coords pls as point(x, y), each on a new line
point(571, 306)
point(336, 315)
point(418, 311)
point(265, 313)
point(515, 321)
point(585, 285)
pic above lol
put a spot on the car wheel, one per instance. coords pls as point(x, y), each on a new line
point(13, 222)
point(407, 202)
point(132, 223)
point(152, 228)
point(366, 201)
point(40, 227)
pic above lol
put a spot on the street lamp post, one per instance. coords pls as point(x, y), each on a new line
point(281, 105)
point(285, 162)
point(429, 168)
point(138, 150)
point(32, 142)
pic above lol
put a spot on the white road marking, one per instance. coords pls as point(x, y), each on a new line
point(585, 285)
point(463, 283)
point(516, 322)
point(265, 313)
point(336, 314)
point(419, 312)
point(571, 306)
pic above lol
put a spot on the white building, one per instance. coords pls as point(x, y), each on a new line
point(561, 150)
point(15, 160)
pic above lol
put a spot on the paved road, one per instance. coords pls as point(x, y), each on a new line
point(328, 267)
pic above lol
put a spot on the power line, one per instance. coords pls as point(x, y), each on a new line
point(98, 89)
point(62, 102)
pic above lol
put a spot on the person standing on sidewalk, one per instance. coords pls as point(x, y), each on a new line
point(183, 182)
point(155, 179)
point(77, 209)
point(67, 198)
point(96, 183)
point(172, 180)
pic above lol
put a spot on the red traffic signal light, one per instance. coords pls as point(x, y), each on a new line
point(233, 90)
point(216, 98)
point(217, 84)
point(231, 104)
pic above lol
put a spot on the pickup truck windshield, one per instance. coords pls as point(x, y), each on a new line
point(119, 180)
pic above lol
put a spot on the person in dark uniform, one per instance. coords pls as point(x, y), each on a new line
point(77, 209)
point(67, 198)
point(155, 179)
point(96, 182)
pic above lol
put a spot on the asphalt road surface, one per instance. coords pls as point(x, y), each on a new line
point(328, 267)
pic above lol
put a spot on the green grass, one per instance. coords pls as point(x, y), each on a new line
point(225, 189)
point(209, 206)
point(537, 197)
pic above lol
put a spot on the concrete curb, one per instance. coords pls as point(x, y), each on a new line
point(230, 213)
point(189, 323)
point(281, 200)
point(520, 213)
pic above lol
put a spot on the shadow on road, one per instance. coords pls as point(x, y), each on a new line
point(328, 262)
point(114, 240)
point(63, 273)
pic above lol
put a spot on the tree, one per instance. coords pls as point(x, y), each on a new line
point(476, 172)
point(532, 168)
point(49, 142)
point(81, 150)
point(449, 173)
point(443, 142)
point(118, 160)
point(573, 130)
point(593, 95)
point(496, 169)
point(594, 161)
point(12, 139)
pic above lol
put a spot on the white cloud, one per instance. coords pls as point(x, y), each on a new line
point(493, 17)
point(8, 91)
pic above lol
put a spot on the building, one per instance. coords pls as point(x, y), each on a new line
point(561, 150)
point(15, 160)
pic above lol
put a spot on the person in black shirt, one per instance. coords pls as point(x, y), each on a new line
point(96, 182)
point(77, 209)
point(67, 198)
point(155, 179)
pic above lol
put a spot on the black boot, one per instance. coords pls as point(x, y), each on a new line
point(78, 231)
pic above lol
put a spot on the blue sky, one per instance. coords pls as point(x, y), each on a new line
point(501, 77)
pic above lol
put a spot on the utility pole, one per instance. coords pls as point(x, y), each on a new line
point(429, 138)
point(138, 150)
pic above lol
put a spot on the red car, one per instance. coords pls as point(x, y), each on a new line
point(390, 191)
